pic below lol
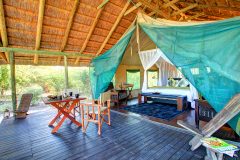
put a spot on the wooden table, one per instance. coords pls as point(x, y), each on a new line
point(64, 107)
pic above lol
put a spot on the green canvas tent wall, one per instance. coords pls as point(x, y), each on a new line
point(210, 48)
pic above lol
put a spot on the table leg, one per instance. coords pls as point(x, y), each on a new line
point(145, 99)
point(55, 129)
point(139, 98)
point(55, 118)
point(66, 115)
point(57, 105)
point(179, 104)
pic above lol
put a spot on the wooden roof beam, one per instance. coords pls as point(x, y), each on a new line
point(154, 8)
point(39, 28)
point(69, 25)
point(113, 27)
point(185, 9)
point(169, 4)
point(144, 8)
point(90, 32)
point(68, 28)
point(3, 31)
point(166, 5)
point(174, 7)
point(132, 8)
point(103, 4)
point(44, 52)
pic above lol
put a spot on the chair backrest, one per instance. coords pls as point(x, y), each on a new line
point(25, 102)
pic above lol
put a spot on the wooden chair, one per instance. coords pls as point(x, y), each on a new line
point(22, 109)
point(96, 112)
point(227, 113)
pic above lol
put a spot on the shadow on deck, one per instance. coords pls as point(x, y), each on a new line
point(128, 138)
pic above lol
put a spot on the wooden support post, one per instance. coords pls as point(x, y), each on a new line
point(13, 80)
point(66, 72)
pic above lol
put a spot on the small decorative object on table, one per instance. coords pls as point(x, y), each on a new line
point(77, 95)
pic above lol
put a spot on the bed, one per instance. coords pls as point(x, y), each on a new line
point(185, 91)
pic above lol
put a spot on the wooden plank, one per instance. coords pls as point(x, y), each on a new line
point(39, 28)
point(113, 27)
point(90, 32)
point(185, 9)
point(132, 8)
point(3, 31)
point(13, 81)
point(66, 72)
point(46, 52)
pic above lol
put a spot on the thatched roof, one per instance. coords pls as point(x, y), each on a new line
point(82, 29)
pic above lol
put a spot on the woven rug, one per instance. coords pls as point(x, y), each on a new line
point(157, 110)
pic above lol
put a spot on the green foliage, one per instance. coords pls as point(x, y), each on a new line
point(36, 90)
point(43, 79)
point(133, 77)
point(4, 79)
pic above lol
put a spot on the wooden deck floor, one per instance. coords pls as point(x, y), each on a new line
point(128, 138)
